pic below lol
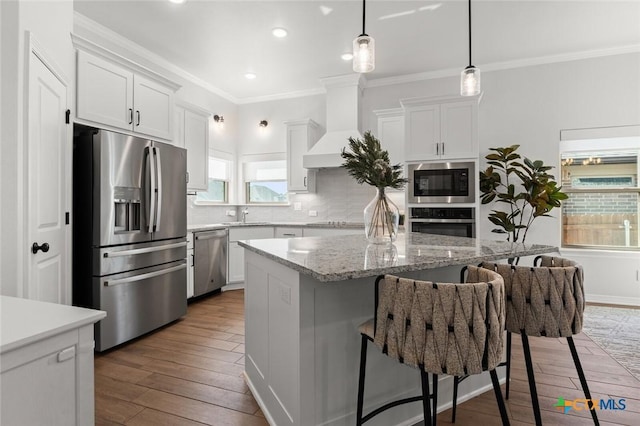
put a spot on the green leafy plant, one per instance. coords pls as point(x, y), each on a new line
point(368, 163)
point(508, 172)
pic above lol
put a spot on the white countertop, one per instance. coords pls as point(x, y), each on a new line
point(338, 258)
point(23, 321)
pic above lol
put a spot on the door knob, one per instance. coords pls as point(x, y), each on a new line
point(35, 247)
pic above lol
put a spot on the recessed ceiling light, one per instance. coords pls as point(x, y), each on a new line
point(250, 76)
point(279, 32)
point(177, 1)
point(347, 56)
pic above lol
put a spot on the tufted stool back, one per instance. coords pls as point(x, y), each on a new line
point(442, 328)
point(543, 301)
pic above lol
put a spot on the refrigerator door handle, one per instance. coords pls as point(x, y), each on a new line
point(151, 167)
point(143, 250)
point(144, 276)
point(159, 204)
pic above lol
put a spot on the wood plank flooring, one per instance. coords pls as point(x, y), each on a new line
point(190, 373)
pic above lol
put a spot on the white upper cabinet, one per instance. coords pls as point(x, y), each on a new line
point(153, 105)
point(114, 92)
point(441, 128)
point(191, 125)
point(391, 133)
point(301, 135)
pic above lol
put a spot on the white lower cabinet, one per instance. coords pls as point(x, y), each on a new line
point(235, 254)
point(46, 373)
point(287, 232)
point(236, 263)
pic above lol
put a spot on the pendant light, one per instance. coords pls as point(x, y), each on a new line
point(470, 77)
point(364, 54)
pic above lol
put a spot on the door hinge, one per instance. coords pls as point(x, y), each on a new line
point(67, 119)
point(66, 218)
point(187, 175)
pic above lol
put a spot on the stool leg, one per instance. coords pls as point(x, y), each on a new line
point(532, 379)
point(363, 364)
point(498, 392)
point(508, 365)
point(583, 379)
point(426, 397)
point(434, 381)
point(456, 380)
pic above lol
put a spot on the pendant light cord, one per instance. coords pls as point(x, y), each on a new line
point(469, 32)
point(364, 5)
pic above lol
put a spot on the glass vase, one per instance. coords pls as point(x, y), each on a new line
point(381, 218)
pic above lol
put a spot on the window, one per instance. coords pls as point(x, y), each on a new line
point(602, 208)
point(219, 175)
point(266, 182)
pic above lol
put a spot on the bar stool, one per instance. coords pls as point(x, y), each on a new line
point(543, 301)
point(438, 328)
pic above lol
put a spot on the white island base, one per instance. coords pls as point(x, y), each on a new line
point(303, 350)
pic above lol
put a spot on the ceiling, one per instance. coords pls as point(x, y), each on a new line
point(219, 41)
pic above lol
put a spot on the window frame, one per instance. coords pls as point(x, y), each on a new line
point(578, 146)
point(228, 158)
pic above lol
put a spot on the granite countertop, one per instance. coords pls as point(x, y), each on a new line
point(25, 321)
point(339, 258)
point(330, 224)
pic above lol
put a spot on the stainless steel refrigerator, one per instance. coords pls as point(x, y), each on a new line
point(129, 232)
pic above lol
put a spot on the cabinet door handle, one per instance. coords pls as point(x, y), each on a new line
point(66, 354)
point(442, 148)
point(130, 115)
point(305, 181)
point(438, 148)
point(138, 113)
point(288, 235)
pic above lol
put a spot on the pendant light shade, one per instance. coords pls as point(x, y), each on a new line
point(364, 55)
point(470, 81)
point(470, 76)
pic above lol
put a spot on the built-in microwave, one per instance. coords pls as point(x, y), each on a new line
point(446, 182)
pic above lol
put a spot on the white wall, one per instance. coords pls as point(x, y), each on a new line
point(254, 140)
point(50, 23)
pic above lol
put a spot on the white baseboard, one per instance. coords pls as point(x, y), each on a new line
point(613, 300)
point(410, 422)
point(233, 286)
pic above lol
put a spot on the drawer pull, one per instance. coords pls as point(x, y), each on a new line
point(67, 354)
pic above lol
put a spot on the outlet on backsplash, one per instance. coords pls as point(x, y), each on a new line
point(313, 213)
point(231, 213)
point(297, 206)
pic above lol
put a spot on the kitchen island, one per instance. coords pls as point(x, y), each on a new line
point(304, 299)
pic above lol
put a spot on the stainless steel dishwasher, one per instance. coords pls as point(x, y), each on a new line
point(210, 260)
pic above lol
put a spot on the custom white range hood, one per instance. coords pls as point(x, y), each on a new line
point(343, 121)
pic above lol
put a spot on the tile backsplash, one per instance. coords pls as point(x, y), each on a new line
point(338, 198)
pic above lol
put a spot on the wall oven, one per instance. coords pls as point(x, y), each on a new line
point(451, 182)
point(457, 222)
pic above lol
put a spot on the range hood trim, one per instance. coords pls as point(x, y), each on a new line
point(344, 91)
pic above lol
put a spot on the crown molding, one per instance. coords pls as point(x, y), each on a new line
point(281, 96)
point(97, 29)
point(498, 66)
point(388, 112)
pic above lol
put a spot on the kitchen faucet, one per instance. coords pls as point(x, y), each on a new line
point(245, 212)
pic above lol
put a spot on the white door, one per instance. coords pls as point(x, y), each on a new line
point(48, 186)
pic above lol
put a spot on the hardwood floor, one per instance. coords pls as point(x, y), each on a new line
point(190, 373)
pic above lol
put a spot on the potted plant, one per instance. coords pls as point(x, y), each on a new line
point(368, 163)
point(538, 192)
